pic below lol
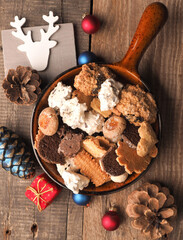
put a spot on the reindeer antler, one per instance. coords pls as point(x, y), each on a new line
point(41, 47)
point(18, 23)
point(51, 29)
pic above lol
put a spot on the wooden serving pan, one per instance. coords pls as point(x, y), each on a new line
point(153, 18)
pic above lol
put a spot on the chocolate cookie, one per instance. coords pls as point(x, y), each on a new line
point(109, 164)
point(47, 147)
point(131, 135)
point(62, 131)
point(70, 144)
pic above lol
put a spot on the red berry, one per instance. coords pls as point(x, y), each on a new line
point(90, 24)
point(111, 221)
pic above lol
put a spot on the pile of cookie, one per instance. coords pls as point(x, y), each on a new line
point(97, 131)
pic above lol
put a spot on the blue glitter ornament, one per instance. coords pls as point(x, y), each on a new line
point(81, 199)
point(87, 57)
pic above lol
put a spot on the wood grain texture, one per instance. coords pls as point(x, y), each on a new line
point(17, 213)
point(72, 11)
point(162, 68)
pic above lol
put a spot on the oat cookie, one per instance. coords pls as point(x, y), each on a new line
point(89, 80)
point(137, 105)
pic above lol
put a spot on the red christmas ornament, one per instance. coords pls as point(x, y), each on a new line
point(90, 24)
point(111, 220)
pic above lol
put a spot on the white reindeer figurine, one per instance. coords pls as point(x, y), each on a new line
point(37, 52)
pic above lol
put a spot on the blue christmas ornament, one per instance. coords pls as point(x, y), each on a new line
point(87, 57)
point(81, 199)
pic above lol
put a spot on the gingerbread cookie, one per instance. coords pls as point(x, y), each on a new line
point(128, 158)
point(147, 141)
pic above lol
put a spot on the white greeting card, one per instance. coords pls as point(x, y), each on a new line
point(49, 48)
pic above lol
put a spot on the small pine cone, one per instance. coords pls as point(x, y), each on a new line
point(22, 85)
point(152, 208)
point(14, 156)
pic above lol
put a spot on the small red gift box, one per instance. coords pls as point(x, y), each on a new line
point(42, 191)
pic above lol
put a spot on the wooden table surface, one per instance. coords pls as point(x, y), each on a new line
point(161, 67)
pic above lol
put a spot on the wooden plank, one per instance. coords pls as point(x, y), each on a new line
point(72, 11)
point(74, 221)
point(18, 214)
point(162, 68)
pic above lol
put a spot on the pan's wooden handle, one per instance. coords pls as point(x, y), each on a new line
point(153, 18)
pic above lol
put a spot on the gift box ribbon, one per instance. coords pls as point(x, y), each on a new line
point(38, 193)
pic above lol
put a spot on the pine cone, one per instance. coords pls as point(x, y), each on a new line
point(152, 207)
point(22, 85)
point(14, 156)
